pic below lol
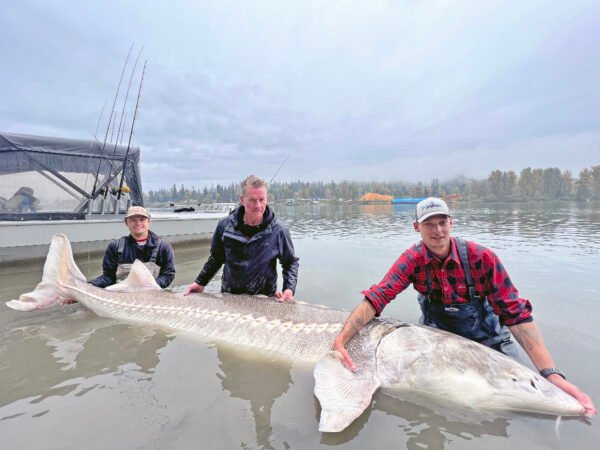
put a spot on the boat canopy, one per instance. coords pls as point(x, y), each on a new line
point(49, 178)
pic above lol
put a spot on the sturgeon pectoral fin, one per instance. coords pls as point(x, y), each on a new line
point(343, 394)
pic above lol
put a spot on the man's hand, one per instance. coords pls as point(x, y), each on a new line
point(529, 337)
point(339, 347)
point(574, 391)
point(357, 319)
point(285, 296)
point(194, 287)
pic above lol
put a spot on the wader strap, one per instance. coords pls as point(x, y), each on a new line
point(155, 251)
point(463, 254)
point(120, 249)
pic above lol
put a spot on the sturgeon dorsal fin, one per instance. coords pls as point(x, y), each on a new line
point(139, 279)
point(343, 394)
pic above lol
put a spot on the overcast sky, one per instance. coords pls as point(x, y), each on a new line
point(358, 90)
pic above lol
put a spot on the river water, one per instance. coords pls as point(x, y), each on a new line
point(69, 379)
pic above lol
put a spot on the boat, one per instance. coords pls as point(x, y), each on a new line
point(218, 208)
point(409, 200)
point(81, 188)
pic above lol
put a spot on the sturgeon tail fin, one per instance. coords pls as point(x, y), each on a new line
point(343, 394)
point(59, 269)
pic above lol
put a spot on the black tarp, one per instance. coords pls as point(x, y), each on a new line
point(67, 162)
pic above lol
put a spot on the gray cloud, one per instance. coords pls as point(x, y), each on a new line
point(350, 90)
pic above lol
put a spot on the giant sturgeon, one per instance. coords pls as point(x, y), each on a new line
point(389, 353)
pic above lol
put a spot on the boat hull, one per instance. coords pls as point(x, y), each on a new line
point(22, 241)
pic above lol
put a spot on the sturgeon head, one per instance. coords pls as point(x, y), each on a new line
point(453, 368)
point(412, 358)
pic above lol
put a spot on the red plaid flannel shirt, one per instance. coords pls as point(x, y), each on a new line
point(448, 281)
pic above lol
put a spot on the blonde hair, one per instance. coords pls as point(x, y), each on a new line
point(252, 182)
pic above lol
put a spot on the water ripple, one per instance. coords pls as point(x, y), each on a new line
point(571, 227)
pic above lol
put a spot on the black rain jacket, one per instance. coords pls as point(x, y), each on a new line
point(250, 262)
point(131, 252)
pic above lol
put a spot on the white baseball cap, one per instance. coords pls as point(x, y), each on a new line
point(431, 206)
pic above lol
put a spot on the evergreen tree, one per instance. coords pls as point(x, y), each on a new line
point(551, 183)
point(595, 182)
point(526, 185)
point(530, 184)
point(584, 186)
point(566, 185)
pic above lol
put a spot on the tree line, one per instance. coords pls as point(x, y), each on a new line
point(530, 184)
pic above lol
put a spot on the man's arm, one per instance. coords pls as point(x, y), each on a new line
point(213, 264)
point(395, 281)
point(109, 267)
point(167, 269)
point(357, 319)
point(289, 268)
point(528, 335)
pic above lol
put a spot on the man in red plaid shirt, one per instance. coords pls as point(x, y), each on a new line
point(463, 288)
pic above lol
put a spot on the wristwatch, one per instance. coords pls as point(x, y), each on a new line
point(550, 370)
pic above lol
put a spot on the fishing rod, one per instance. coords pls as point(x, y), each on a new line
point(100, 118)
point(110, 161)
point(280, 166)
point(95, 133)
point(102, 188)
point(93, 195)
point(121, 124)
point(137, 102)
point(121, 128)
point(112, 134)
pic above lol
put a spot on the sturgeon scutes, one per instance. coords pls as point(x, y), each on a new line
point(389, 353)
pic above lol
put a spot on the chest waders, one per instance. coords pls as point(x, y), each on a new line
point(473, 320)
point(124, 269)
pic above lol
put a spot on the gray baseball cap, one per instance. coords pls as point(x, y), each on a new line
point(431, 206)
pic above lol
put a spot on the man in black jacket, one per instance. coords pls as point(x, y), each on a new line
point(141, 244)
point(248, 243)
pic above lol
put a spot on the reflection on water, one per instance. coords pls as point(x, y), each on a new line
point(258, 380)
point(344, 221)
point(423, 427)
point(427, 428)
point(564, 225)
point(143, 388)
point(57, 357)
